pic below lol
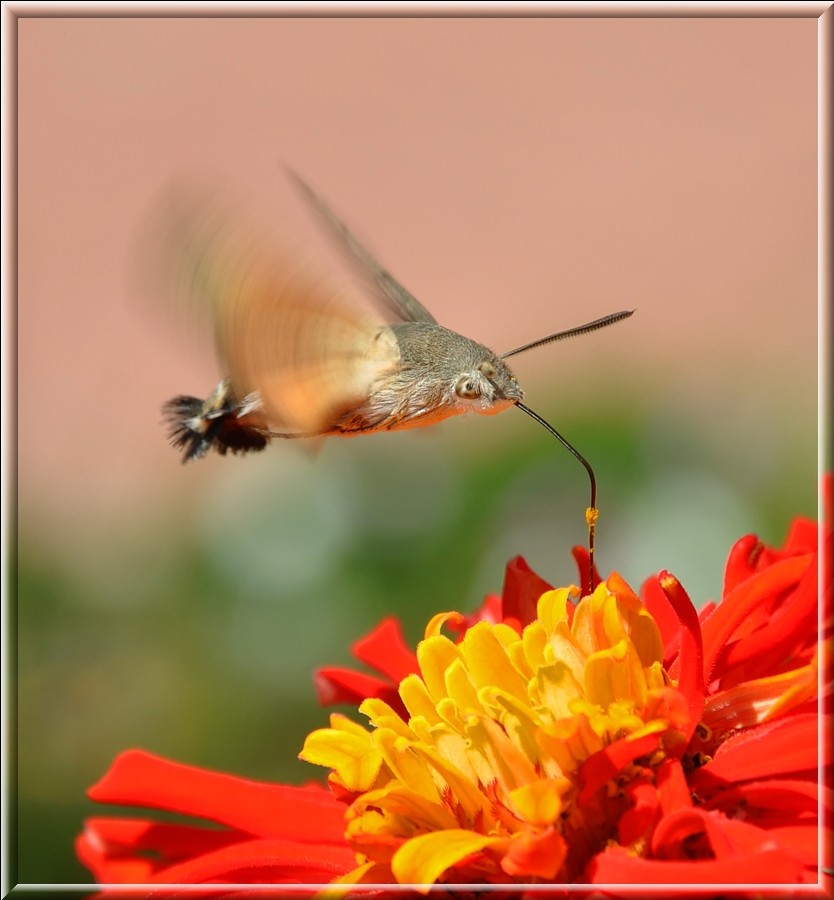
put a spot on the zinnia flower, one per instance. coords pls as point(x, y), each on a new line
point(561, 736)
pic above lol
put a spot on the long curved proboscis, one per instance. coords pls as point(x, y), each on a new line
point(604, 322)
point(592, 513)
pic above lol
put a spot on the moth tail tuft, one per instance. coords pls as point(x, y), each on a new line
point(181, 414)
point(196, 426)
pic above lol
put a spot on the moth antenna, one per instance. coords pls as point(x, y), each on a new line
point(591, 513)
point(604, 322)
point(402, 303)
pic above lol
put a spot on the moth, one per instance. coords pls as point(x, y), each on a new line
point(306, 357)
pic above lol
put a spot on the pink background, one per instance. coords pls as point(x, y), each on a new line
point(518, 175)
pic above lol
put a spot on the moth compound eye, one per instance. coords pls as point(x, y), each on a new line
point(488, 369)
point(466, 388)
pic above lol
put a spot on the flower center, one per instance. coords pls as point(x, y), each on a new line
point(516, 748)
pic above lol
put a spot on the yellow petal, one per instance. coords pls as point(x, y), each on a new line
point(415, 812)
point(381, 715)
point(571, 740)
point(505, 634)
point(351, 756)
point(805, 688)
point(560, 754)
point(540, 802)
point(751, 702)
point(417, 699)
point(615, 674)
point(629, 601)
point(454, 748)
point(406, 767)
point(434, 656)
point(355, 876)
point(582, 626)
point(501, 759)
point(534, 640)
point(421, 729)
point(519, 720)
point(423, 859)
point(645, 635)
point(343, 723)
point(655, 676)
point(556, 686)
point(438, 621)
point(553, 606)
point(488, 663)
point(460, 788)
point(460, 688)
point(449, 711)
point(613, 628)
point(562, 646)
point(518, 657)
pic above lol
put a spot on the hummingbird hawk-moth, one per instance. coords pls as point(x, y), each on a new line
point(304, 357)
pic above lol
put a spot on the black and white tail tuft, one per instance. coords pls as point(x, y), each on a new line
point(196, 426)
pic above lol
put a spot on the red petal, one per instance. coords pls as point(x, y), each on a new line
point(132, 850)
point(489, 611)
point(137, 778)
point(705, 612)
point(335, 686)
point(744, 600)
point(800, 840)
point(535, 855)
point(385, 650)
point(672, 787)
point(262, 862)
point(213, 892)
point(688, 667)
point(673, 838)
point(722, 837)
point(605, 764)
point(107, 870)
point(741, 563)
point(777, 800)
point(522, 589)
point(166, 839)
point(775, 748)
point(617, 866)
point(657, 604)
point(731, 839)
point(788, 634)
point(803, 536)
point(537, 892)
point(636, 823)
point(582, 557)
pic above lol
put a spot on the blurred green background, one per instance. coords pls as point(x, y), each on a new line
point(519, 176)
point(193, 628)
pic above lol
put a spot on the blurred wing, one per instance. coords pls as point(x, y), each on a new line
point(306, 344)
point(403, 304)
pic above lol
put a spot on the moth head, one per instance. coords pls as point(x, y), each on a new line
point(488, 387)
